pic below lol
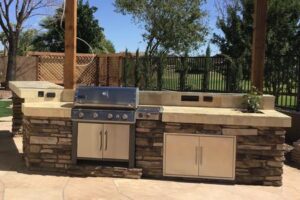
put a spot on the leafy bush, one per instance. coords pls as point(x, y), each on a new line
point(252, 100)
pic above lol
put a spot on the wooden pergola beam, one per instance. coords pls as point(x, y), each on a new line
point(70, 43)
point(259, 44)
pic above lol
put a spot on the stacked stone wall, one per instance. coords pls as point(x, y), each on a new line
point(47, 146)
point(17, 114)
point(47, 143)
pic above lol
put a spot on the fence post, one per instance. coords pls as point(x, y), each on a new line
point(227, 76)
point(298, 91)
point(97, 60)
point(107, 71)
point(37, 60)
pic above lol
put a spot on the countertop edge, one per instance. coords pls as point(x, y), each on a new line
point(230, 120)
point(55, 111)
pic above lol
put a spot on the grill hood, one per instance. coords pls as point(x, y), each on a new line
point(113, 97)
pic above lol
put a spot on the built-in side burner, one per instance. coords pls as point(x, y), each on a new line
point(149, 112)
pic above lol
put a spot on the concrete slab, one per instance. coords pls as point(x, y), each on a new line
point(26, 180)
point(2, 187)
point(17, 183)
point(93, 188)
point(179, 190)
point(32, 194)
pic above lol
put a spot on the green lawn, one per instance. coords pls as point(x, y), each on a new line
point(194, 81)
point(5, 110)
point(287, 101)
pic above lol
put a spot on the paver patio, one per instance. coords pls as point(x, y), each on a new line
point(18, 183)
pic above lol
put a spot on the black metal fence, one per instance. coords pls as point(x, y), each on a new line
point(215, 74)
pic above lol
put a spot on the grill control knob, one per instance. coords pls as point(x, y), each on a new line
point(124, 117)
point(95, 115)
point(80, 114)
point(110, 116)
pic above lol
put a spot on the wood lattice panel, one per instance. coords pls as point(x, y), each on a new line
point(50, 68)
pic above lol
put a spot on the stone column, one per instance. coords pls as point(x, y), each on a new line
point(17, 114)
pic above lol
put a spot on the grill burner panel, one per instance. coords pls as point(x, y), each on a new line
point(103, 116)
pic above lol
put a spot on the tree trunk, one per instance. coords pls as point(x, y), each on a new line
point(12, 58)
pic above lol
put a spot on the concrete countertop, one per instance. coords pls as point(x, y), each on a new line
point(192, 115)
point(224, 116)
point(28, 90)
point(198, 113)
point(18, 87)
point(48, 109)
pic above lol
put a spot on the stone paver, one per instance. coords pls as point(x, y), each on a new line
point(17, 183)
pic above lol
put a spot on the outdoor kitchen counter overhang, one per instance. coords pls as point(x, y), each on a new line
point(48, 109)
point(177, 114)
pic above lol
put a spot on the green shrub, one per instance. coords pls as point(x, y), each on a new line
point(252, 100)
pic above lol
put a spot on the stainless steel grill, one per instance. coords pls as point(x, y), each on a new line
point(103, 124)
point(105, 104)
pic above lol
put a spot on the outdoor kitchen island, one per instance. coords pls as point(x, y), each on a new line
point(195, 136)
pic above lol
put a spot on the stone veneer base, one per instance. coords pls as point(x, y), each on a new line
point(260, 153)
point(47, 146)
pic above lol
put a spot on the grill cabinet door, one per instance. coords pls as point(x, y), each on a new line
point(90, 140)
point(217, 157)
point(180, 155)
point(116, 141)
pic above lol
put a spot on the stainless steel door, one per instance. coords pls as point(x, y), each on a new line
point(90, 140)
point(217, 157)
point(116, 141)
point(180, 155)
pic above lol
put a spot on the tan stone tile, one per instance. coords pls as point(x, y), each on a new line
point(2, 187)
point(32, 194)
point(32, 181)
point(92, 188)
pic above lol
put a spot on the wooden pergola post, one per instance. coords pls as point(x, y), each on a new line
point(259, 44)
point(70, 43)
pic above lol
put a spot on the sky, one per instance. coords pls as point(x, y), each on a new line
point(123, 32)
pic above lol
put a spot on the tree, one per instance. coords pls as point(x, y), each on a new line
point(12, 24)
point(88, 29)
point(283, 38)
point(235, 43)
point(107, 46)
point(24, 44)
point(4, 42)
point(137, 69)
point(26, 40)
point(207, 67)
point(126, 68)
point(175, 26)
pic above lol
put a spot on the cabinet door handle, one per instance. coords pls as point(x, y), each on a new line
point(106, 139)
point(196, 158)
point(201, 154)
point(100, 140)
